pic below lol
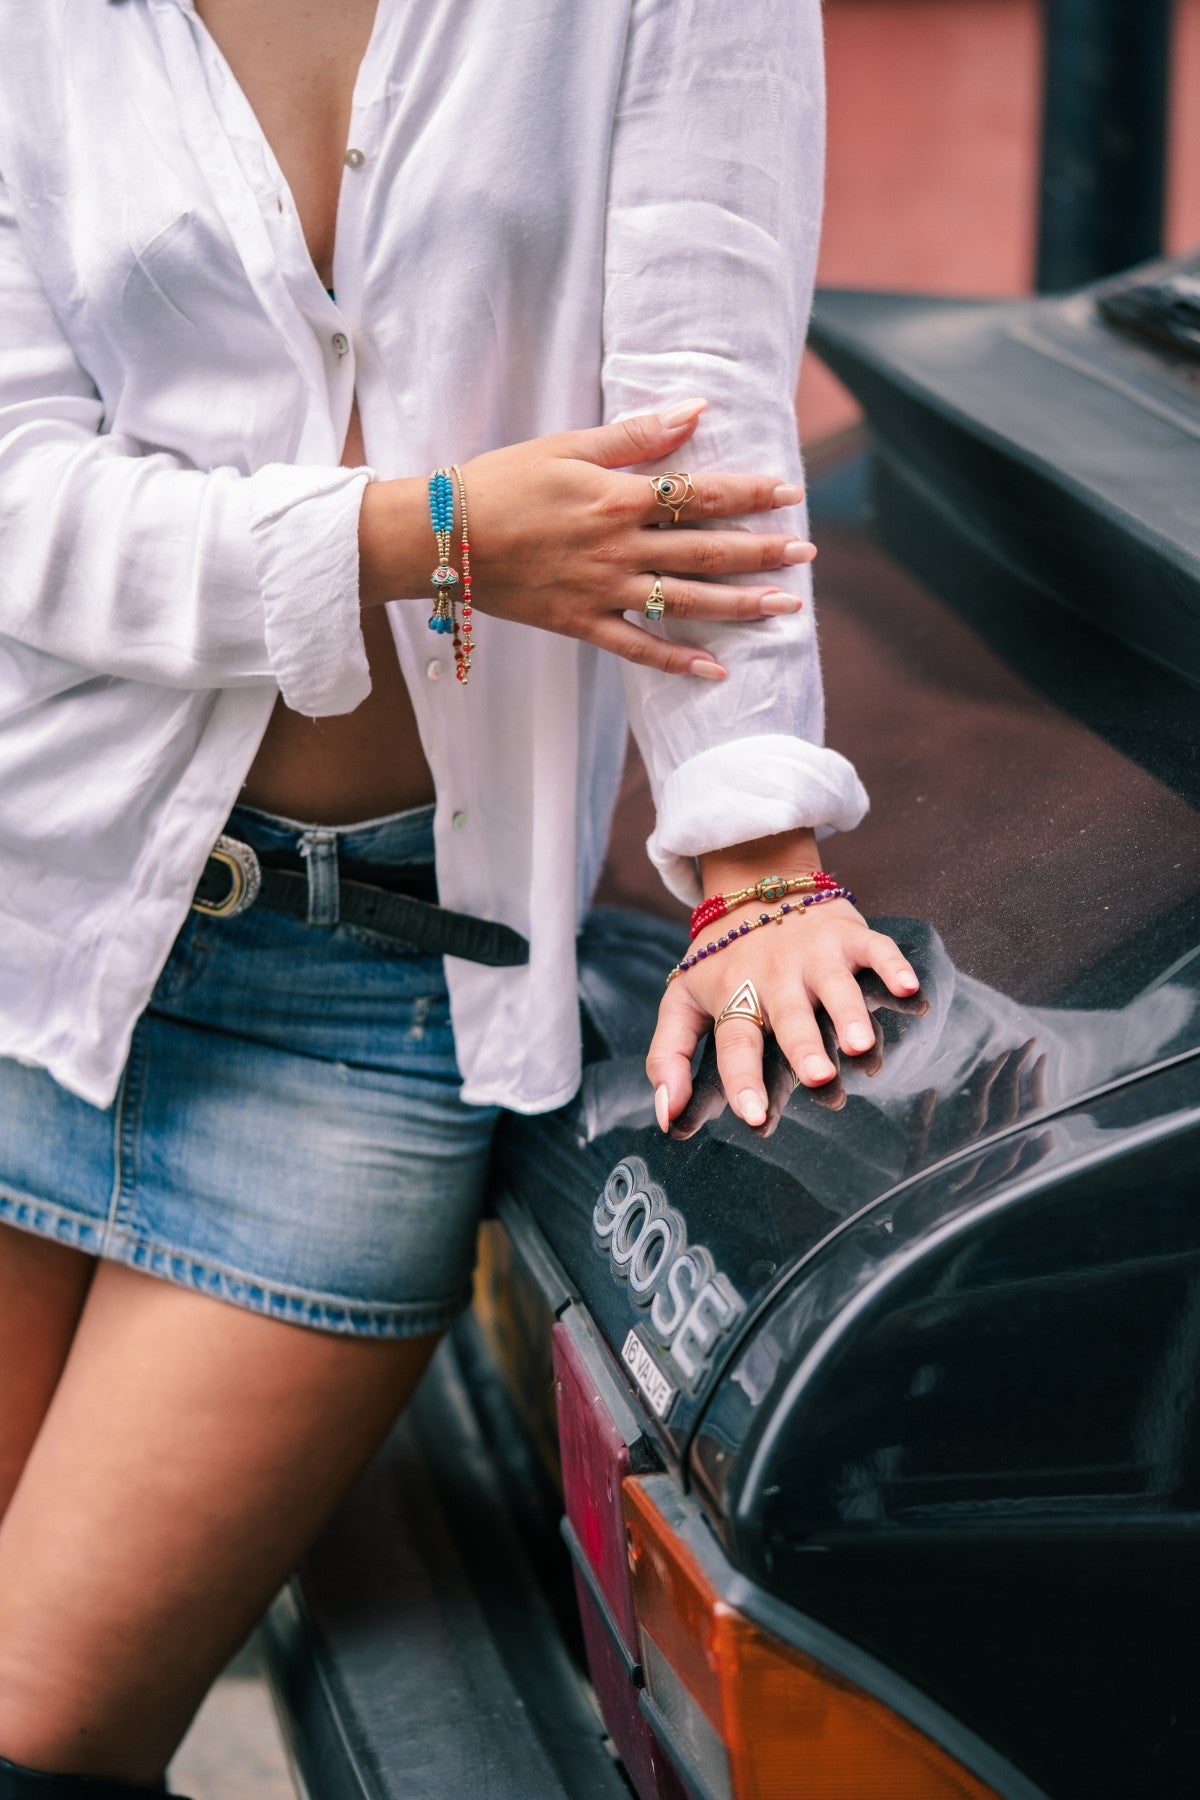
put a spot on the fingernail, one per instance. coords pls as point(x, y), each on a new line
point(860, 1037)
point(797, 551)
point(662, 1109)
point(908, 981)
point(751, 1107)
point(787, 494)
point(780, 602)
point(682, 411)
point(707, 669)
point(817, 1068)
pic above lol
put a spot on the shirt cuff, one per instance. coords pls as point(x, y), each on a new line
point(749, 788)
point(304, 531)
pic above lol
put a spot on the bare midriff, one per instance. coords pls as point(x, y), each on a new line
point(296, 64)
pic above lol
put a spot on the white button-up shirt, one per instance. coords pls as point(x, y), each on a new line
point(550, 216)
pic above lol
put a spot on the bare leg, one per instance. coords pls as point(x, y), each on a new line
point(42, 1289)
point(190, 1454)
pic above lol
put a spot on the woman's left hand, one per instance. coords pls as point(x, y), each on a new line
point(809, 958)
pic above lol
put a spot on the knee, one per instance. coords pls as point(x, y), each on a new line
point(35, 1717)
point(41, 1742)
point(45, 1722)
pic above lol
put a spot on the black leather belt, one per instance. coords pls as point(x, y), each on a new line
point(398, 904)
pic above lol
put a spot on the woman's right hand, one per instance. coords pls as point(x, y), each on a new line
point(564, 538)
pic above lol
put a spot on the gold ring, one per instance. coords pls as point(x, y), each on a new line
point(745, 1004)
point(656, 603)
point(673, 490)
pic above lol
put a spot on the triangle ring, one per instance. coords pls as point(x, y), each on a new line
point(745, 1004)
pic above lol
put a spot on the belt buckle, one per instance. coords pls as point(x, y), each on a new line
point(245, 879)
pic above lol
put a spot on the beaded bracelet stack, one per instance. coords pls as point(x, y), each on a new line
point(771, 887)
point(836, 892)
point(445, 577)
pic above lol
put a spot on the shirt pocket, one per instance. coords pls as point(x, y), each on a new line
point(183, 279)
point(203, 373)
point(153, 281)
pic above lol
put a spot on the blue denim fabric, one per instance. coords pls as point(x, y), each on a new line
point(288, 1134)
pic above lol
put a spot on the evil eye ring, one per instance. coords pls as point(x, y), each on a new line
point(673, 490)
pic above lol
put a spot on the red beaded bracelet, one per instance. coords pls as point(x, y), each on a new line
point(770, 887)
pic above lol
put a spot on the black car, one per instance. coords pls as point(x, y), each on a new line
point(876, 1429)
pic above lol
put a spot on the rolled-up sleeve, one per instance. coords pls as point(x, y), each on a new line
point(131, 563)
point(714, 213)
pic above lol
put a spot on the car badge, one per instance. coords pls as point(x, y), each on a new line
point(689, 1305)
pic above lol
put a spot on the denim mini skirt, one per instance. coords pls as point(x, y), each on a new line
point(288, 1134)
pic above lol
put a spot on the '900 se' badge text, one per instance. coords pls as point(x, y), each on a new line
point(689, 1304)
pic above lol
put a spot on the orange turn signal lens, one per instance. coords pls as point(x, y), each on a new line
point(759, 1719)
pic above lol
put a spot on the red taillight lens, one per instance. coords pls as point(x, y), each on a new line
point(595, 1461)
point(758, 1719)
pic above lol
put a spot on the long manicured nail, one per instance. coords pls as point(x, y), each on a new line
point(787, 494)
point(817, 1068)
point(860, 1037)
point(797, 551)
point(707, 669)
point(751, 1107)
point(681, 412)
point(662, 1107)
point(779, 602)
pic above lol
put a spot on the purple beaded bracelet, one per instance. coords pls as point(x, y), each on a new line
point(777, 918)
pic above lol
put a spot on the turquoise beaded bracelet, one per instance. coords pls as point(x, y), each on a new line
point(444, 577)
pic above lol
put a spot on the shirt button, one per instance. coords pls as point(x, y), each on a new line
point(340, 342)
point(459, 820)
point(355, 159)
point(435, 669)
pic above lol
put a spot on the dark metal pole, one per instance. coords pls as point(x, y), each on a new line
point(1103, 138)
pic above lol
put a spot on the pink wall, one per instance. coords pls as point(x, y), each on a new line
point(933, 151)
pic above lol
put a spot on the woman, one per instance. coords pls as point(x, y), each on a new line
point(264, 267)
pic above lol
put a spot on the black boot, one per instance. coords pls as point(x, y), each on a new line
point(20, 1783)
